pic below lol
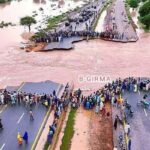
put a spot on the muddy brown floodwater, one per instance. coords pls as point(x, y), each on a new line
point(87, 58)
point(96, 57)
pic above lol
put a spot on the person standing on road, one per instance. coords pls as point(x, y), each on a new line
point(129, 144)
point(115, 148)
point(31, 115)
point(116, 122)
point(25, 137)
point(19, 138)
point(1, 125)
point(127, 128)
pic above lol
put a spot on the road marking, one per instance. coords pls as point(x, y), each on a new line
point(145, 112)
point(20, 118)
point(2, 146)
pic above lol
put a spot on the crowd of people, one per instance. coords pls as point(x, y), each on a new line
point(84, 20)
point(111, 92)
point(58, 104)
point(28, 99)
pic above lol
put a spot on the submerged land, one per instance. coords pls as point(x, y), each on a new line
point(98, 53)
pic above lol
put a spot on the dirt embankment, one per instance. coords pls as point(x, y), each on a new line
point(35, 47)
point(101, 134)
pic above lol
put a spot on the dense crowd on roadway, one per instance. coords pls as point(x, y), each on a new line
point(28, 99)
point(84, 21)
point(79, 26)
point(111, 92)
point(59, 36)
point(58, 105)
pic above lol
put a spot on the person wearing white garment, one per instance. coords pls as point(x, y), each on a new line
point(2, 98)
point(135, 87)
point(147, 86)
point(115, 148)
point(101, 105)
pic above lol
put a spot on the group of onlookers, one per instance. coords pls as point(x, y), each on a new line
point(28, 99)
point(83, 20)
point(59, 104)
point(112, 92)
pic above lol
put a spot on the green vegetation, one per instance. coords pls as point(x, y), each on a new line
point(4, 1)
point(145, 9)
point(46, 145)
point(6, 24)
point(69, 131)
point(144, 12)
point(27, 21)
point(52, 22)
point(99, 15)
point(133, 4)
point(146, 21)
point(38, 34)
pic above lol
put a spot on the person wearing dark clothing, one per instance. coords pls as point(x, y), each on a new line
point(25, 137)
point(54, 93)
point(31, 115)
point(1, 125)
point(116, 122)
point(129, 144)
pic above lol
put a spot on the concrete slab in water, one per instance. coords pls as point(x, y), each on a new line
point(67, 44)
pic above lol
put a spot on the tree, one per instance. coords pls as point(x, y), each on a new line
point(146, 21)
point(3, 1)
point(145, 9)
point(133, 3)
point(27, 21)
point(143, 0)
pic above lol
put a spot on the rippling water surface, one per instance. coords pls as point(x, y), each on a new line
point(95, 57)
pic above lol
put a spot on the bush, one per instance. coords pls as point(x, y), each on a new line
point(3, 1)
point(145, 9)
point(133, 3)
point(146, 21)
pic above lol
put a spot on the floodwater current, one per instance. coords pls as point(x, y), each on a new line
point(96, 57)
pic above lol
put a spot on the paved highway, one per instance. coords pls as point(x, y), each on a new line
point(140, 123)
point(16, 119)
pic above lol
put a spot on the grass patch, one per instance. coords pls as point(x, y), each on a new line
point(52, 22)
point(46, 145)
point(99, 15)
point(69, 131)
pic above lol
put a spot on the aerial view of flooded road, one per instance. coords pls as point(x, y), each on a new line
point(120, 50)
point(108, 58)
